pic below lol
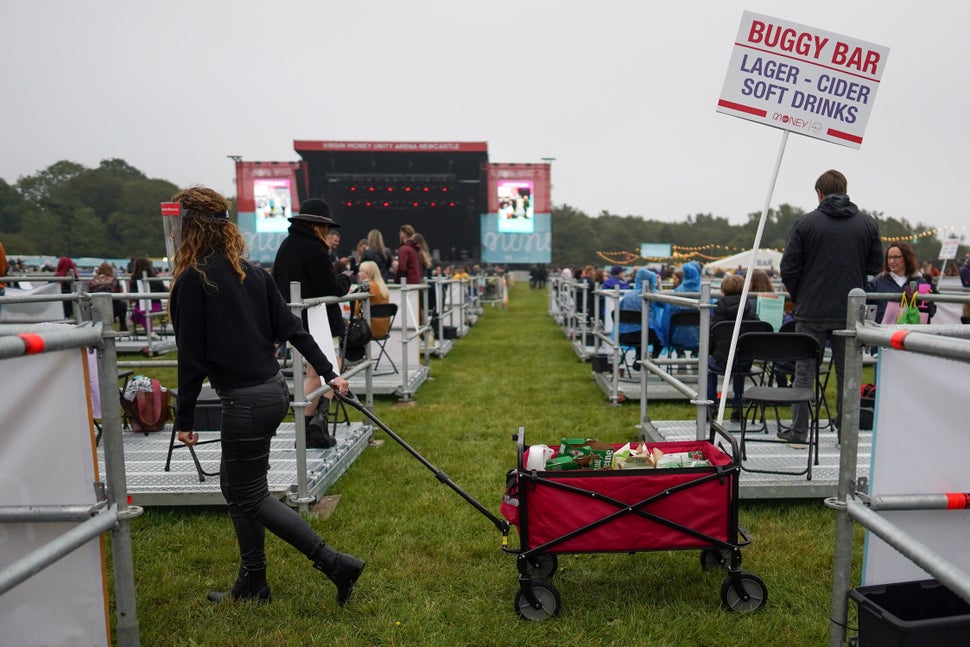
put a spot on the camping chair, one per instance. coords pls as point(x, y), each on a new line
point(378, 311)
point(782, 347)
point(683, 321)
point(155, 320)
point(744, 368)
point(208, 417)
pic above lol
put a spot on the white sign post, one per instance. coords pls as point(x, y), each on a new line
point(948, 251)
point(799, 79)
point(802, 79)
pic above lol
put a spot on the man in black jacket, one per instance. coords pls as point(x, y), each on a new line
point(304, 257)
point(829, 251)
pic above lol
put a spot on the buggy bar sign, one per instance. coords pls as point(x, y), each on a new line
point(801, 79)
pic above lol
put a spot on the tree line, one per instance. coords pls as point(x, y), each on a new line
point(580, 240)
point(112, 211)
point(69, 210)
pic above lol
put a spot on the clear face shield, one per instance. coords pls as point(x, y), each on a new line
point(173, 219)
point(172, 214)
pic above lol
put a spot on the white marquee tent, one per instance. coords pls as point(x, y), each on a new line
point(768, 259)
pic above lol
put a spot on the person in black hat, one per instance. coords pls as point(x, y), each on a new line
point(304, 256)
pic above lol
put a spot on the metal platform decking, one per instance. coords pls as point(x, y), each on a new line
point(388, 383)
point(657, 389)
point(149, 484)
point(779, 455)
point(440, 348)
point(140, 344)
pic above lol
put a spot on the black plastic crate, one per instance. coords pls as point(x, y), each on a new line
point(602, 364)
point(911, 614)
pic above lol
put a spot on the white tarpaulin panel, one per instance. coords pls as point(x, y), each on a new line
point(920, 445)
point(32, 312)
point(48, 458)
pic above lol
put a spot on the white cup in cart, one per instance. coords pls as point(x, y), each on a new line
point(538, 455)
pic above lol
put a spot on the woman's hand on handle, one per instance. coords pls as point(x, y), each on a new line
point(188, 437)
point(340, 385)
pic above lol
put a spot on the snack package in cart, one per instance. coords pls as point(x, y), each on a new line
point(588, 452)
point(643, 457)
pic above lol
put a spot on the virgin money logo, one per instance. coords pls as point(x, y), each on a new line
point(793, 122)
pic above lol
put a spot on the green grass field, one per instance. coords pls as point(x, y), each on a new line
point(436, 574)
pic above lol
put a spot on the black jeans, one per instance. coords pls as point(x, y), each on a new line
point(250, 417)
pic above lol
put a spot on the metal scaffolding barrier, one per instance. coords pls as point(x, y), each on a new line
point(112, 513)
point(851, 504)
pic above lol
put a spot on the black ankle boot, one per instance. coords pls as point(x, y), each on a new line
point(342, 569)
point(317, 430)
point(250, 585)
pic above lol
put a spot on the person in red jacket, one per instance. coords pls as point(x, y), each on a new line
point(409, 264)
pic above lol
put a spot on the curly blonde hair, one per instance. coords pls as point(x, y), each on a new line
point(206, 230)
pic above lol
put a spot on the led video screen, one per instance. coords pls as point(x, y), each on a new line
point(516, 208)
point(273, 207)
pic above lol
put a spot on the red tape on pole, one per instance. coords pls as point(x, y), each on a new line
point(957, 500)
point(898, 340)
point(33, 343)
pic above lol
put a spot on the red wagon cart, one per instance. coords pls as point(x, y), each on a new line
point(627, 511)
point(633, 510)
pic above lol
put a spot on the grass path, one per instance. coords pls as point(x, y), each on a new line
point(436, 574)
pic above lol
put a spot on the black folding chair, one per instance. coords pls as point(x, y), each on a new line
point(785, 372)
point(683, 320)
point(381, 311)
point(631, 341)
point(208, 417)
point(783, 347)
point(744, 367)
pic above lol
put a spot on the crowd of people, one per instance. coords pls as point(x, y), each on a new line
point(411, 261)
point(230, 318)
point(828, 252)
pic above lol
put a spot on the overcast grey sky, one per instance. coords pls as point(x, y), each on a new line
point(621, 93)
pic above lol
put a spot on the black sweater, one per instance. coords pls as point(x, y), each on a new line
point(304, 258)
point(228, 331)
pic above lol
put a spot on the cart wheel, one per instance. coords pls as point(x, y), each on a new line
point(546, 594)
point(715, 558)
point(540, 566)
point(751, 595)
